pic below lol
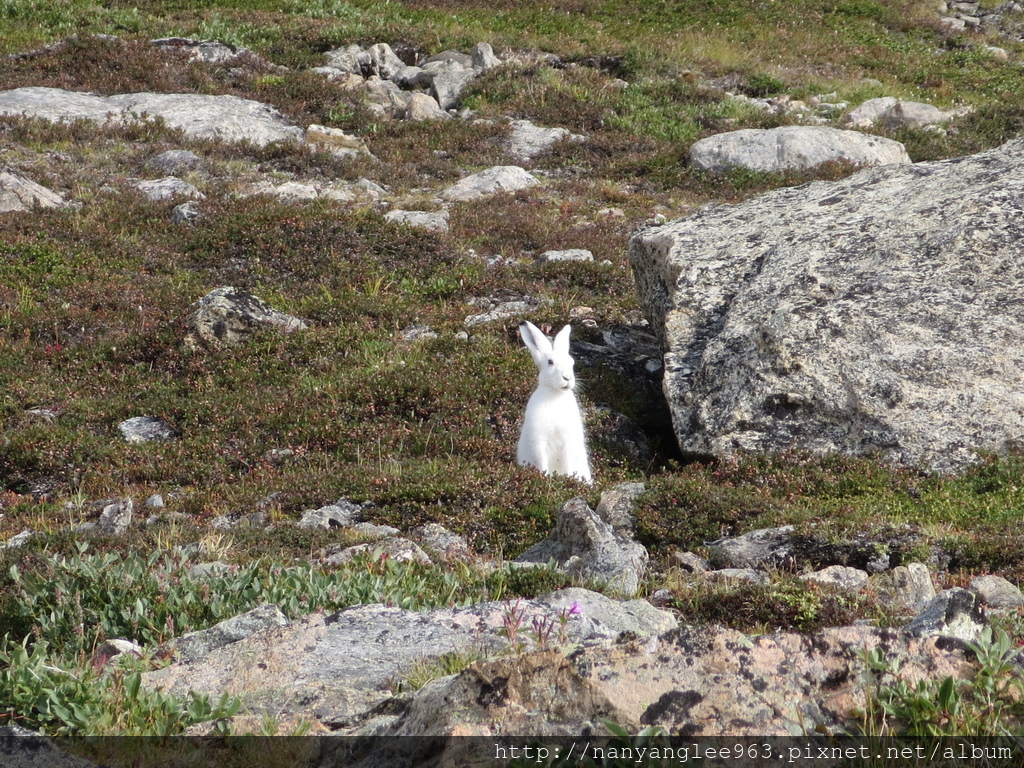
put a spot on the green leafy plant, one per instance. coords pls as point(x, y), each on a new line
point(989, 704)
point(38, 692)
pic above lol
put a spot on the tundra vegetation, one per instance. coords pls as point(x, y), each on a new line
point(93, 299)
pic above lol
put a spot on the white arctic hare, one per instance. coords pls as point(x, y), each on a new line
point(552, 438)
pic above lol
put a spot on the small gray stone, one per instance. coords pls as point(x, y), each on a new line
point(996, 592)
point(222, 118)
point(341, 514)
point(396, 549)
point(909, 587)
point(186, 213)
point(167, 188)
point(637, 616)
point(500, 178)
point(434, 221)
point(572, 254)
point(143, 429)
point(839, 577)
point(691, 562)
point(175, 161)
point(18, 539)
point(483, 57)
point(793, 147)
point(735, 575)
point(156, 501)
point(766, 546)
point(584, 545)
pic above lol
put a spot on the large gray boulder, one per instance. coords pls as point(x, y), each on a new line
point(793, 147)
point(879, 314)
point(223, 118)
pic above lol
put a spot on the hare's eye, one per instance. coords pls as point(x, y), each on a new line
point(551, 362)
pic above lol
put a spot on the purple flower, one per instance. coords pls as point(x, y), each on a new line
point(575, 609)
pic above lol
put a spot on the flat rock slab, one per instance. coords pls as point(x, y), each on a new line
point(793, 147)
point(223, 118)
point(338, 668)
point(693, 681)
point(877, 315)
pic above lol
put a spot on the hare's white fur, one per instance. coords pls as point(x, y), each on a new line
point(553, 439)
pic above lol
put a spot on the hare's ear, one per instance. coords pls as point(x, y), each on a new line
point(562, 340)
point(535, 340)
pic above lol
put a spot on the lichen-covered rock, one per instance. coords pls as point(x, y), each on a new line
point(226, 316)
point(167, 188)
point(951, 613)
point(792, 147)
point(20, 194)
point(585, 545)
point(143, 429)
point(196, 646)
point(341, 668)
point(998, 593)
point(839, 577)
point(906, 587)
point(755, 549)
point(500, 178)
point(691, 681)
point(435, 221)
point(873, 315)
point(527, 140)
point(336, 141)
point(224, 118)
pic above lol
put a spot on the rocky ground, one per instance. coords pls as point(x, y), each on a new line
point(341, 387)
